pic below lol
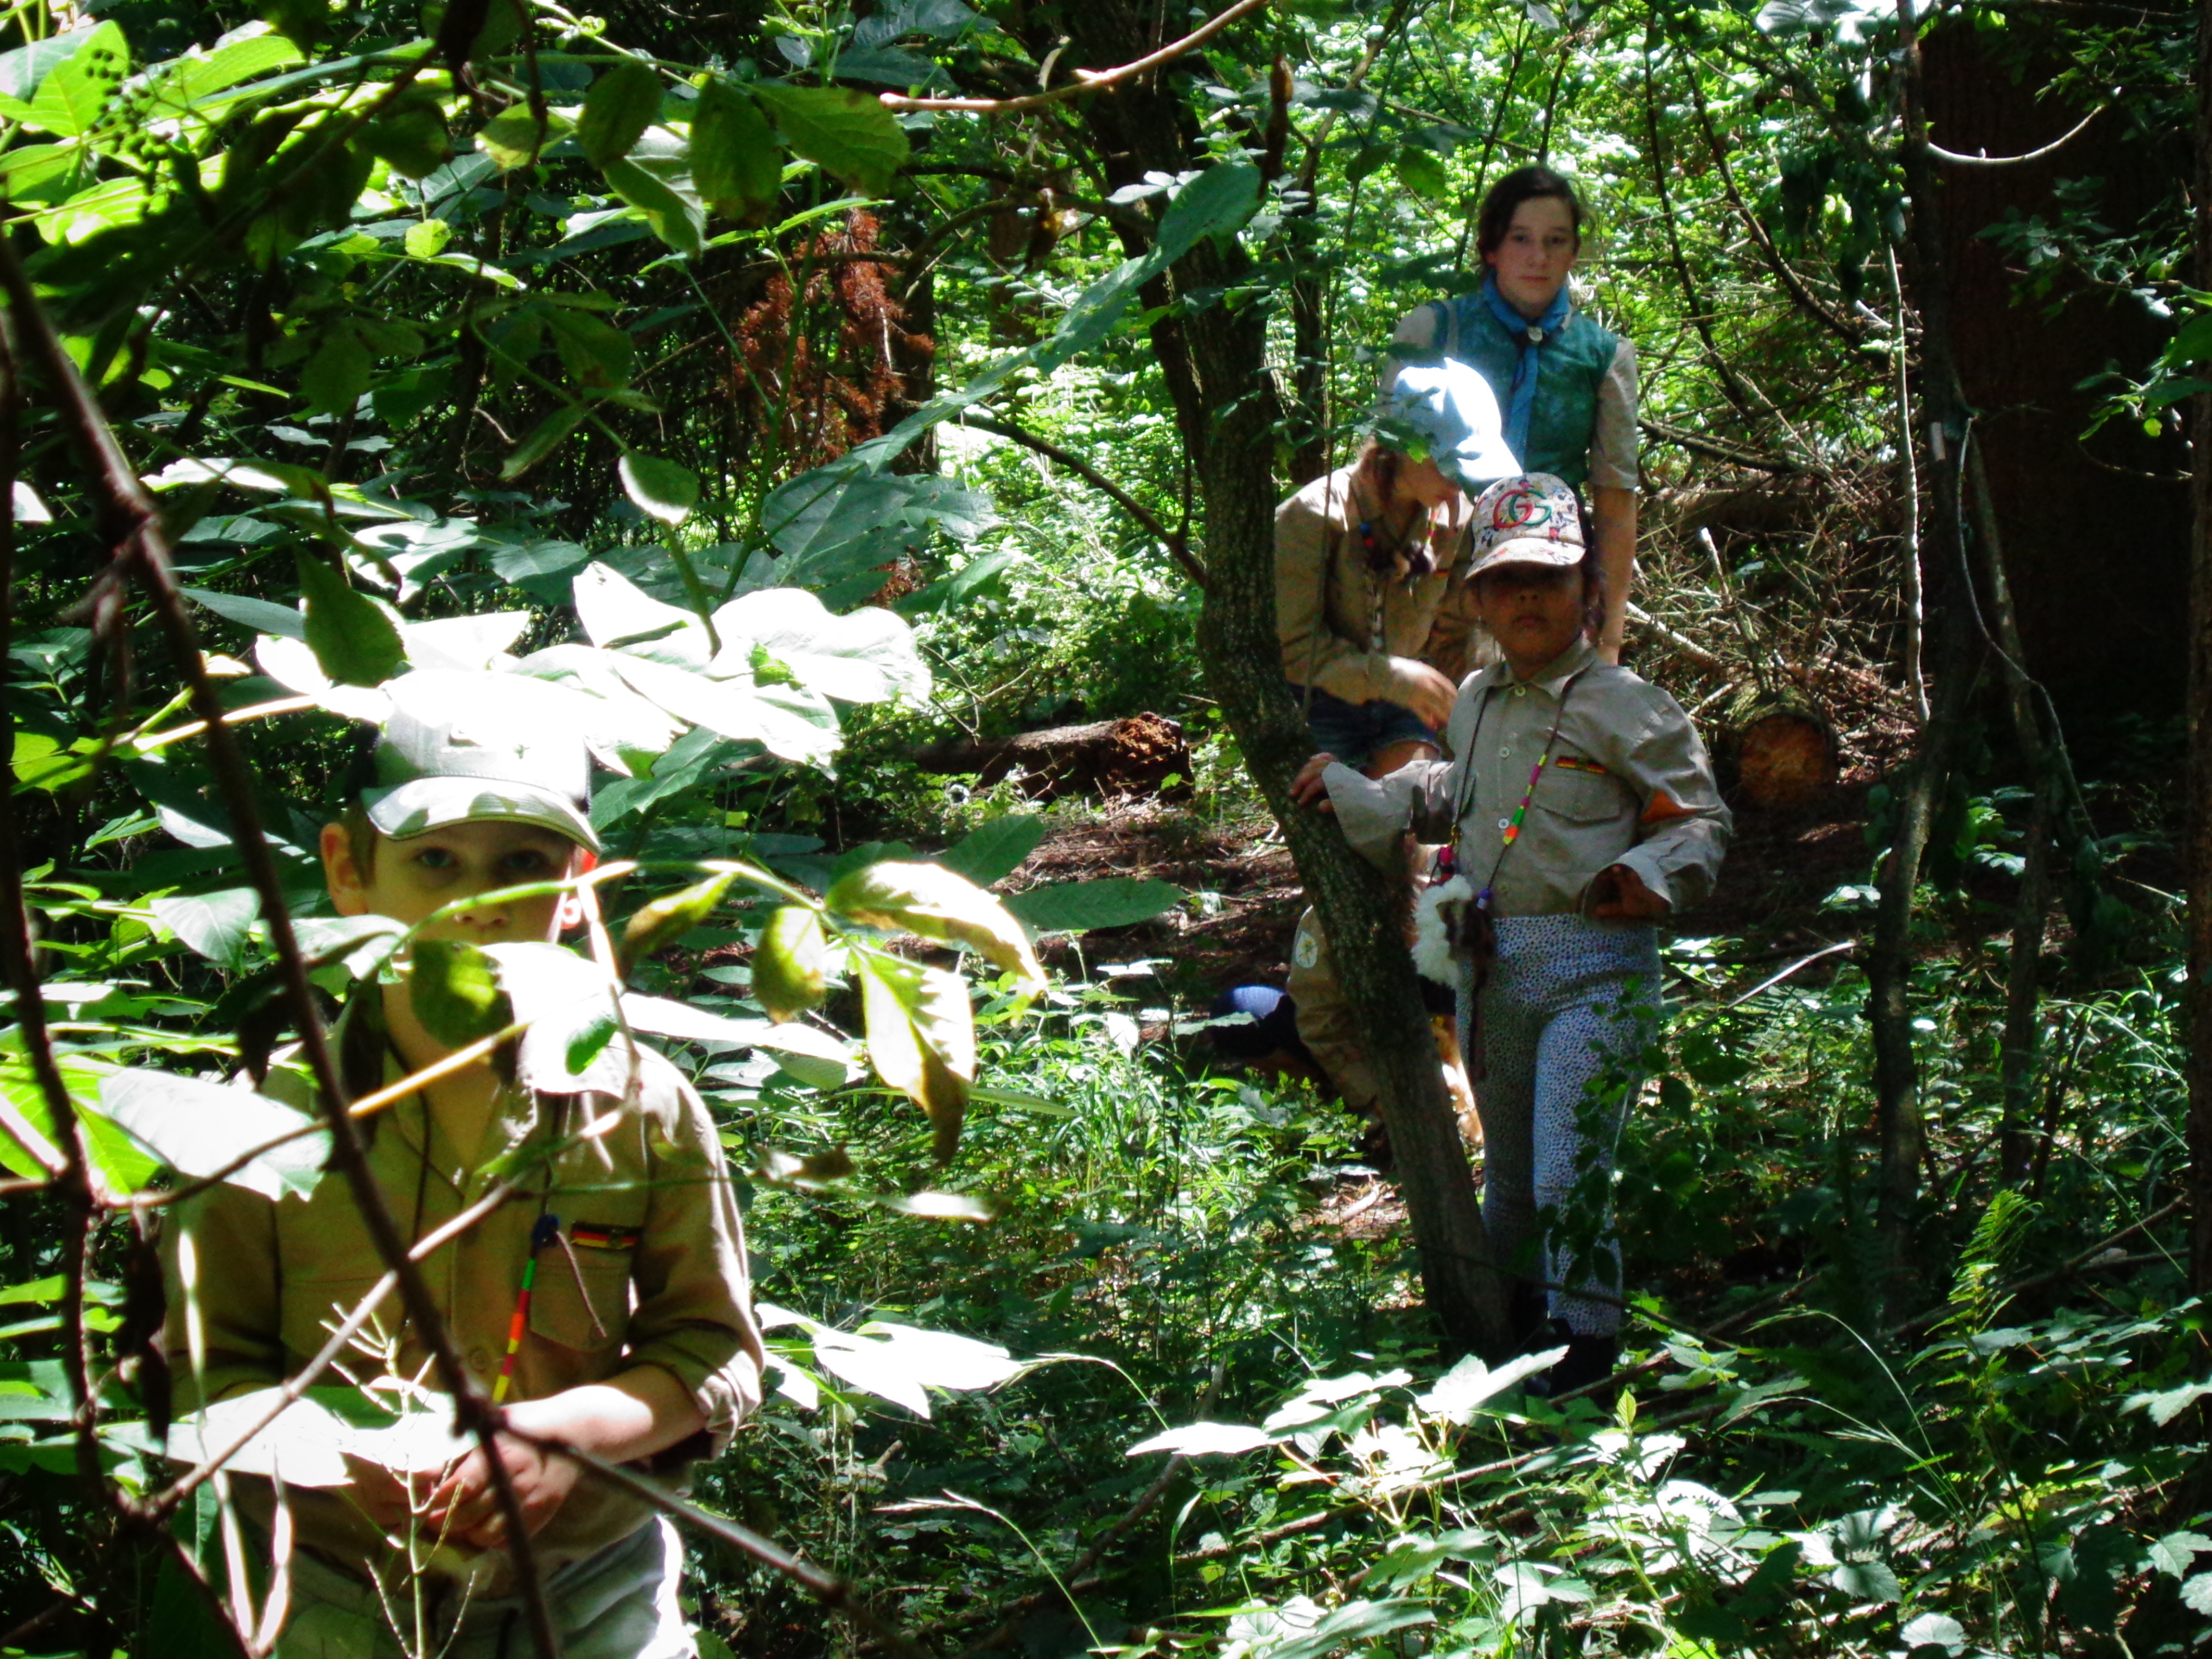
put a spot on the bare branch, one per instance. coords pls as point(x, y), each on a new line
point(1953, 158)
point(1178, 541)
point(1091, 81)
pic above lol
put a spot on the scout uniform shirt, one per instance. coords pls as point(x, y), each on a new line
point(1340, 623)
point(653, 1273)
point(1628, 783)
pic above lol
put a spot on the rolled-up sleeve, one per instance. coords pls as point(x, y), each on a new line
point(693, 1315)
point(1682, 833)
point(1614, 440)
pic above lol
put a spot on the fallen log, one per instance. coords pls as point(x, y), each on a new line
point(1137, 755)
point(1779, 755)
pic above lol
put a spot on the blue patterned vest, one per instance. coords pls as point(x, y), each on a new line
point(1571, 368)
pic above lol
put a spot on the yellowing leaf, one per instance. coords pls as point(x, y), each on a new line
point(921, 1038)
point(930, 900)
point(788, 962)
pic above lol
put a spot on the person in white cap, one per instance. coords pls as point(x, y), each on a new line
point(605, 1306)
point(1376, 623)
point(1582, 810)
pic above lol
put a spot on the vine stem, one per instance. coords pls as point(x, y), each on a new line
point(1090, 81)
point(132, 524)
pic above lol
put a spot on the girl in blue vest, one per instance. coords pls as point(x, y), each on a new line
point(1567, 387)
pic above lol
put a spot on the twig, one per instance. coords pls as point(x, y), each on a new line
point(1090, 81)
point(133, 526)
point(1175, 541)
point(1681, 642)
point(1955, 160)
point(1713, 449)
point(1773, 979)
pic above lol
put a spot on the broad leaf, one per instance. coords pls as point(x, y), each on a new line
point(620, 616)
point(621, 103)
point(77, 91)
point(661, 489)
point(996, 849)
point(848, 134)
point(921, 1038)
point(868, 655)
point(456, 992)
point(656, 180)
point(198, 1128)
point(257, 614)
point(932, 901)
point(542, 439)
point(790, 963)
point(514, 139)
point(666, 919)
point(214, 924)
point(783, 721)
point(355, 639)
point(1077, 907)
point(1467, 1387)
point(337, 375)
point(1206, 1440)
point(735, 163)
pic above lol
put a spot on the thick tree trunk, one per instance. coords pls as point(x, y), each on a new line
point(2199, 991)
point(1216, 364)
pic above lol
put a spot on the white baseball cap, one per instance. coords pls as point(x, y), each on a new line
point(473, 748)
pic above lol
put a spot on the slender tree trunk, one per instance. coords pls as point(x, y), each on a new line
point(1214, 360)
point(1889, 965)
point(2199, 991)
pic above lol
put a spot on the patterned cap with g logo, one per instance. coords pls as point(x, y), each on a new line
point(1530, 519)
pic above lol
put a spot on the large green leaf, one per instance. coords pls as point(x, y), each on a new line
point(621, 103)
point(456, 992)
point(1077, 907)
point(356, 639)
point(198, 1128)
point(661, 490)
point(658, 184)
point(77, 92)
point(932, 901)
point(735, 161)
point(848, 134)
point(620, 616)
point(259, 615)
point(790, 962)
point(995, 849)
point(542, 439)
point(337, 375)
point(921, 1037)
point(786, 720)
point(217, 925)
point(514, 139)
point(866, 656)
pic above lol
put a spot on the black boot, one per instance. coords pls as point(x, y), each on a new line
point(1590, 1360)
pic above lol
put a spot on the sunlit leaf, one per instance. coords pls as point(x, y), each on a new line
point(1205, 1439)
point(1076, 906)
point(932, 901)
point(921, 1038)
point(216, 925)
point(355, 639)
point(621, 103)
point(661, 489)
point(789, 963)
point(199, 1128)
point(848, 134)
point(996, 849)
point(456, 992)
point(666, 919)
point(735, 161)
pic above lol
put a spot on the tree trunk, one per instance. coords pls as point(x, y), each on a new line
point(2199, 990)
point(1214, 359)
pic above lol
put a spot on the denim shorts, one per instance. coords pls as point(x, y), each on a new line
point(1355, 732)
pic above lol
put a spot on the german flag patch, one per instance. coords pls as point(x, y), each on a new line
point(1577, 763)
point(599, 1236)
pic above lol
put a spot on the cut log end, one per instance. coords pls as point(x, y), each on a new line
point(1785, 758)
point(1143, 755)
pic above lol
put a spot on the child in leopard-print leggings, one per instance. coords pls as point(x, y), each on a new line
point(1582, 810)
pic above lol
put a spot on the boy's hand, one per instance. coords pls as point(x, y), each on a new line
point(1618, 894)
point(1307, 788)
point(1424, 691)
point(466, 1504)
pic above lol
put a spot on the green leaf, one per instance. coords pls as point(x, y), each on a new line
point(783, 720)
point(596, 352)
point(621, 105)
point(735, 162)
point(932, 901)
point(868, 655)
point(1865, 1581)
point(456, 992)
point(661, 490)
point(356, 642)
point(1076, 906)
point(1422, 172)
point(921, 1038)
point(411, 136)
point(214, 924)
point(2166, 1404)
point(1355, 1625)
point(668, 918)
point(542, 439)
point(2197, 1595)
point(620, 616)
point(847, 134)
point(995, 850)
point(790, 963)
point(198, 1128)
point(661, 189)
point(74, 95)
point(2193, 344)
point(2173, 1553)
point(23, 68)
point(337, 374)
point(514, 138)
point(589, 1040)
point(426, 240)
point(259, 615)
point(1215, 203)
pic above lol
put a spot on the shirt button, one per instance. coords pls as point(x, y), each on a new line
point(1519, 690)
point(1505, 823)
point(479, 1360)
point(1506, 754)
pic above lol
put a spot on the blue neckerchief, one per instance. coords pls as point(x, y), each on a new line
point(1520, 402)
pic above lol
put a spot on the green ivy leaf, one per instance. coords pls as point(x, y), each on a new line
point(661, 489)
point(621, 105)
point(356, 640)
point(735, 162)
point(456, 992)
point(847, 134)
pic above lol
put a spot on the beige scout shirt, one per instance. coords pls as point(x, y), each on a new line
point(660, 1280)
point(1628, 783)
point(1613, 443)
point(1340, 624)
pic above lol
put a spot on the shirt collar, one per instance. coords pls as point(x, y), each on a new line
point(1555, 675)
